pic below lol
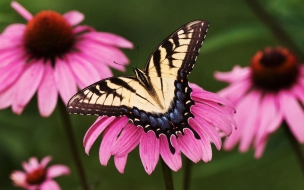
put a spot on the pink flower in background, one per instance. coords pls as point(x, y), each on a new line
point(265, 94)
point(37, 176)
point(211, 115)
point(51, 55)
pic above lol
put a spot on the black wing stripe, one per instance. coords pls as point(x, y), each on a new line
point(175, 40)
point(156, 60)
point(168, 46)
point(122, 83)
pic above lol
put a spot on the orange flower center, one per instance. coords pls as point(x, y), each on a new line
point(48, 35)
point(36, 177)
point(274, 69)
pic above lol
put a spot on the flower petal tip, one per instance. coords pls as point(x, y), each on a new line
point(21, 10)
point(74, 17)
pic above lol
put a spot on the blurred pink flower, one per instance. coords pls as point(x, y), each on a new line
point(51, 55)
point(37, 176)
point(265, 94)
point(211, 115)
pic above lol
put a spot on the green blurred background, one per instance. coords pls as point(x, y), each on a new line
point(235, 34)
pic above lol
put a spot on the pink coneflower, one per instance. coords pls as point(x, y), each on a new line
point(37, 176)
point(211, 115)
point(51, 55)
point(265, 94)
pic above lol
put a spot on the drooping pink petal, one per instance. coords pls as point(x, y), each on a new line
point(47, 92)
point(149, 151)
point(224, 113)
point(27, 85)
point(109, 138)
point(82, 29)
point(237, 74)
point(21, 10)
point(101, 67)
point(259, 148)
point(199, 93)
point(49, 185)
point(94, 131)
point(9, 58)
point(241, 87)
point(206, 146)
point(57, 170)
point(128, 140)
point(213, 116)
point(7, 97)
point(190, 146)
point(298, 91)
point(233, 139)
point(44, 162)
point(106, 53)
point(19, 177)
point(11, 44)
point(269, 121)
point(74, 17)
point(206, 124)
point(293, 114)
point(174, 161)
point(109, 39)
point(112, 63)
point(13, 30)
point(65, 80)
point(11, 72)
point(120, 163)
point(84, 71)
point(246, 118)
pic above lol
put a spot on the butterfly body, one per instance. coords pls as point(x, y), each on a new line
point(157, 98)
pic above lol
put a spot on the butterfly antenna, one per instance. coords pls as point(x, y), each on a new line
point(119, 63)
point(123, 65)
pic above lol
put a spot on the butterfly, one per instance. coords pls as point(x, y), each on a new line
point(156, 98)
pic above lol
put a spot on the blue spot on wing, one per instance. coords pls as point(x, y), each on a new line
point(180, 106)
point(153, 121)
point(136, 112)
point(164, 122)
point(180, 95)
point(179, 86)
point(143, 117)
point(176, 116)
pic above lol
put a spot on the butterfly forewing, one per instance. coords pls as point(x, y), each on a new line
point(110, 97)
point(116, 96)
point(175, 56)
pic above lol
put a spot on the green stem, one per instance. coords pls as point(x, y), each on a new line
point(67, 125)
point(277, 31)
point(187, 174)
point(298, 150)
point(167, 173)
